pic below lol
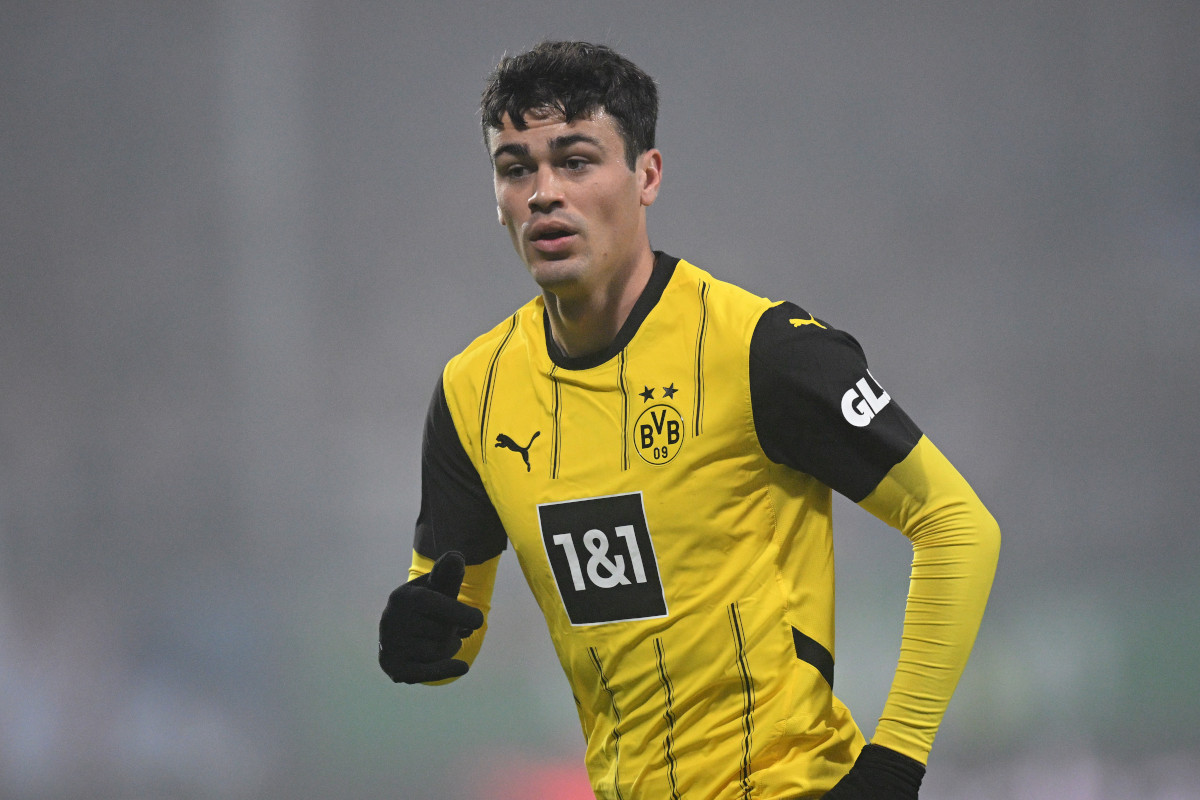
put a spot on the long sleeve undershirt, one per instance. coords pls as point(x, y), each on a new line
point(956, 545)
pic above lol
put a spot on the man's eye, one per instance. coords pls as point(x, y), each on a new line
point(576, 163)
point(514, 171)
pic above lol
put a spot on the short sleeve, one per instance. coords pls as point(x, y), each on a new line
point(816, 406)
point(456, 512)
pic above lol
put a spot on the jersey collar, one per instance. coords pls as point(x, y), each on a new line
point(664, 268)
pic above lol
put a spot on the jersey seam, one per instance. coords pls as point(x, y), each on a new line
point(765, 467)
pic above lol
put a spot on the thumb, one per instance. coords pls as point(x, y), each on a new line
point(447, 574)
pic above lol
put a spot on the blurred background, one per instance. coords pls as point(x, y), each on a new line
point(238, 241)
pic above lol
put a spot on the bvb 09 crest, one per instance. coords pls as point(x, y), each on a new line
point(658, 434)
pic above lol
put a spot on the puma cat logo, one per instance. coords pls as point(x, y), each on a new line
point(796, 323)
point(505, 441)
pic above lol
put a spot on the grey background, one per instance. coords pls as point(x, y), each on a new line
point(239, 240)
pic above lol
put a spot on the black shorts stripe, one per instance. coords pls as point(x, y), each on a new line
point(489, 386)
point(669, 716)
point(616, 734)
point(743, 665)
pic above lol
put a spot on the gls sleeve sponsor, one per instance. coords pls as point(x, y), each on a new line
point(602, 557)
point(861, 404)
point(816, 407)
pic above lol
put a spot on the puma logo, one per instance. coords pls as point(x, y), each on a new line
point(811, 321)
point(505, 441)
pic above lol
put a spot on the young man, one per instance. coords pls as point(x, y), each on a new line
point(659, 448)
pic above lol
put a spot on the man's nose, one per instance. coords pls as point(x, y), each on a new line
point(547, 193)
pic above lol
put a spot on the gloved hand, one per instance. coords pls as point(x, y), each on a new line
point(424, 623)
point(879, 773)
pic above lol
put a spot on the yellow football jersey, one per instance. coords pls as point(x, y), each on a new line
point(669, 501)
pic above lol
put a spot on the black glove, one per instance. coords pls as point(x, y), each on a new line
point(879, 773)
point(424, 624)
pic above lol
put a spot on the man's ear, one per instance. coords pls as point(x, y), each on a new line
point(649, 169)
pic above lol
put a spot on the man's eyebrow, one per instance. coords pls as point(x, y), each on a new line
point(515, 150)
point(563, 142)
point(558, 143)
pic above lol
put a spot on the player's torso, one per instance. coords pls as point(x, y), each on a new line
point(647, 522)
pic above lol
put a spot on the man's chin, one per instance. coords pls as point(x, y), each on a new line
point(556, 275)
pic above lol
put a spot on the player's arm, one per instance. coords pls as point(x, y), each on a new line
point(956, 545)
point(819, 410)
point(475, 593)
point(433, 626)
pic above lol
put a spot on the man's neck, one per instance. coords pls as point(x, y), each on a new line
point(588, 323)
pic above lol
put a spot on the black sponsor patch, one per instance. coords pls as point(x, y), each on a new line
point(603, 559)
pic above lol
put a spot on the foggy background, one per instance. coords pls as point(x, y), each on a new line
point(238, 241)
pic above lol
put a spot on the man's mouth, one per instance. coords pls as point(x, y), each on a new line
point(550, 234)
point(551, 238)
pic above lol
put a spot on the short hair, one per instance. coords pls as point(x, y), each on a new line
point(576, 79)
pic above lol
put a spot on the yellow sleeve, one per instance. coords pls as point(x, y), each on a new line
point(476, 591)
point(956, 544)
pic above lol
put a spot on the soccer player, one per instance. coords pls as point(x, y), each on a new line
point(659, 449)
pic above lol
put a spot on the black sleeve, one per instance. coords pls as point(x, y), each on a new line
point(456, 512)
point(816, 407)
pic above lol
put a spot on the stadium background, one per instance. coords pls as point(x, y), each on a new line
point(239, 239)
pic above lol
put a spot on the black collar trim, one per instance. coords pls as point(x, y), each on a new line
point(664, 268)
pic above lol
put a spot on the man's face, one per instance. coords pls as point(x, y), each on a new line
point(575, 210)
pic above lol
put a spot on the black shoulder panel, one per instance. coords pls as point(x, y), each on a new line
point(816, 407)
point(456, 512)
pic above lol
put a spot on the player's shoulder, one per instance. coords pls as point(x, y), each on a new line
point(690, 277)
point(476, 358)
point(723, 301)
point(776, 328)
point(786, 328)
